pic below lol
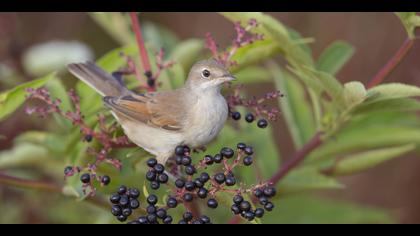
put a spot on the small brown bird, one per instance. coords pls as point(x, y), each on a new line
point(159, 121)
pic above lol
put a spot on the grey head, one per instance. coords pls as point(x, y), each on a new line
point(208, 74)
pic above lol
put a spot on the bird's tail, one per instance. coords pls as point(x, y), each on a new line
point(101, 81)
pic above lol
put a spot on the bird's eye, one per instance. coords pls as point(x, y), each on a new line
point(206, 73)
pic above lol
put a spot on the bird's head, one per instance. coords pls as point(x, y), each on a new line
point(208, 74)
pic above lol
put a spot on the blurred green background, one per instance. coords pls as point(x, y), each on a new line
point(392, 186)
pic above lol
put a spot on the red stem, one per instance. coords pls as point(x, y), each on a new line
point(144, 58)
point(392, 63)
point(296, 158)
point(25, 183)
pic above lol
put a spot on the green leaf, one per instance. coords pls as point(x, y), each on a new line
point(12, 99)
point(368, 131)
point(410, 21)
point(23, 154)
point(294, 106)
point(253, 74)
point(330, 84)
point(398, 104)
point(186, 53)
point(335, 57)
point(306, 178)
point(354, 93)
point(116, 24)
point(362, 161)
point(392, 91)
point(254, 53)
point(296, 209)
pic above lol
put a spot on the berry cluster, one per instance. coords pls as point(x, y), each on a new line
point(156, 175)
point(244, 208)
point(193, 183)
point(124, 202)
point(261, 123)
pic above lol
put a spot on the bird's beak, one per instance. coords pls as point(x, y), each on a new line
point(227, 78)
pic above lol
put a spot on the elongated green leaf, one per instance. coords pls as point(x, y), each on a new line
point(334, 57)
point(186, 53)
point(254, 53)
point(294, 106)
point(306, 178)
point(366, 160)
point(12, 99)
point(368, 131)
point(398, 104)
point(410, 21)
point(253, 74)
point(116, 24)
point(301, 209)
point(330, 84)
point(392, 91)
point(24, 154)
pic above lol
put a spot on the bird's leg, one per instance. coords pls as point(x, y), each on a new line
point(198, 149)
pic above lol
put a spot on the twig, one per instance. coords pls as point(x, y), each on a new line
point(296, 158)
point(392, 63)
point(144, 58)
point(24, 183)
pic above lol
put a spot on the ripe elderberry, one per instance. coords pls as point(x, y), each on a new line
point(236, 115)
point(85, 178)
point(249, 118)
point(212, 203)
point(262, 123)
point(105, 180)
point(248, 161)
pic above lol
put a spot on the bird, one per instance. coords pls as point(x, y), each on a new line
point(159, 121)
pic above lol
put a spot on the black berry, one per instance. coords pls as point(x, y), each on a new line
point(182, 222)
point(269, 206)
point(259, 212)
point(178, 160)
point(204, 177)
point(179, 183)
point(133, 193)
point(202, 193)
point(241, 146)
point(249, 150)
point(142, 220)
point(205, 219)
point(189, 185)
point(172, 202)
point(163, 178)
point(154, 185)
point(263, 200)
point(237, 199)
point(258, 193)
point(152, 162)
point(220, 178)
point(179, 150)
point(159, 168)
point(115, 198)
point(230, 181)
point(88, 138)
point(236, 115)
point(217, 158)
point(187, 216)
point(134, 204)
point(212, 203)
point(152, 218)
point(150, 209)
point(249, 117)
point(68, 170)
point(269, 192)
point(249, 215)
point(105, 180)
point(190, 170)
point(248, 160)
point(151, 175)
point(208, 159)
point(188, 197)
point(262, 123)
point(186, 161)
point(116, 210)
point(85, 178)
point(227, 152)
point(235, 209)
point(122, 218)
point(124, 200)
point(122, 190)
point(245, 206)
point(127, 211)
point(198, 183)
point(167, 220)
point(152, 199)
point(161, 213)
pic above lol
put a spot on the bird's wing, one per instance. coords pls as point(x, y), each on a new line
point(163, 110)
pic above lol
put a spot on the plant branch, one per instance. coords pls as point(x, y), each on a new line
point(392, 63)
point(144, 58)
point(25, 183)
point(298, 157)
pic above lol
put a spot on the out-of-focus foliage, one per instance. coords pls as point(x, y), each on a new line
point(361, 127)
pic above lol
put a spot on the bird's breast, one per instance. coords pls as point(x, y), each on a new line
point(208, 115)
